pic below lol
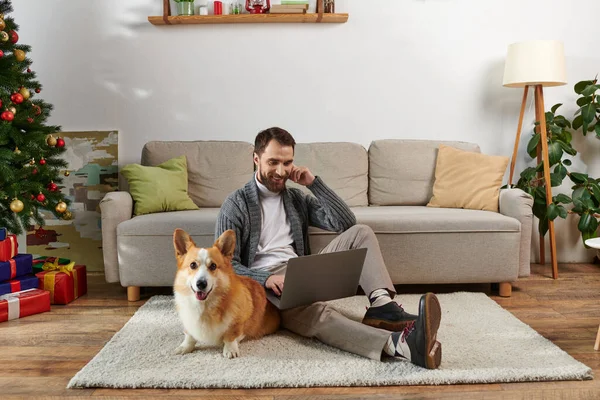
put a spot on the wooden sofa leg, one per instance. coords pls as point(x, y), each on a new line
point(133, 293)
point(505, 289)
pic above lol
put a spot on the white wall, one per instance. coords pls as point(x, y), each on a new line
point(427, 69)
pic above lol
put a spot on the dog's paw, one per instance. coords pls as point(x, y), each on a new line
point(184, 349)
point(231, 350)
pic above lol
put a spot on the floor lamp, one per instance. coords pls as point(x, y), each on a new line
point(536, 64)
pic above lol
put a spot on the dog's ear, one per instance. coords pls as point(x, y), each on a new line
point(226, 243)
point(182, 242)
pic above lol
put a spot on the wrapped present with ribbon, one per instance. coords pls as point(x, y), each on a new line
point(38, 262)
point(8, 247)
point(24, 303)
point(16, 267)
point(64, 282)
point(3, 233)
point(16, 285)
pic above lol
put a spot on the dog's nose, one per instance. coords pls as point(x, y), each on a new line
point(201, 283)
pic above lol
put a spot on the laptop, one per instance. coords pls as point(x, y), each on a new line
point(320, 277)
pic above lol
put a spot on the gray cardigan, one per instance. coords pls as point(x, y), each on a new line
point(241, 212)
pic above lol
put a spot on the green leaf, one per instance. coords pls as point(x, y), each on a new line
point(580, 86)
point(562, 212)
point(567, 148)
point(566, 162)
point(595, 191)
point(543, 227)
point(577, 122)
point(549, 117)
point(555, 129)
point(577, 177)
point(540, 195)
point(588, 113)
point(532, 145)
point(555, 153)
point(587, 223)
point(587, 235)
point(555, 107)
point(555, 179)
point(562, 198)
point(588, 91)
point(582, 101)
point(552, 211)
point(528, 173)
point(560, 170)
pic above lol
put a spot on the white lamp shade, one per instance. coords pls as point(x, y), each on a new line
point(536, 62)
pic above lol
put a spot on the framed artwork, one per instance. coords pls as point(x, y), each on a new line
point(92, 172)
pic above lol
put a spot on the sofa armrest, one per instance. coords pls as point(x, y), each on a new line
point(517, 204)
point(115, 208)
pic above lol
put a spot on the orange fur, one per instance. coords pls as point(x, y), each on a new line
point(235, 307)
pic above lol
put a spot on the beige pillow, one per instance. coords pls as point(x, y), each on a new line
point(464, 179)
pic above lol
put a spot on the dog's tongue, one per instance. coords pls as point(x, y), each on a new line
point(201, 295)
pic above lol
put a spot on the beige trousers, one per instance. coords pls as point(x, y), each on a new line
point(322, 322)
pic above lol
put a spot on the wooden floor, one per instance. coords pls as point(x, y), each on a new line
point(39, 354)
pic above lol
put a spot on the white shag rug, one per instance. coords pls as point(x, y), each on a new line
point(481, 343)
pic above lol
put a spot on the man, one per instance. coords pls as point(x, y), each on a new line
point(271, 225)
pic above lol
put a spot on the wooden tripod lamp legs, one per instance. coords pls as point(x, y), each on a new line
point(543, 152)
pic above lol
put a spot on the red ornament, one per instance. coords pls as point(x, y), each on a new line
point(16, 98)
point(7, 116)
point(52, 186)
point(14, 37)
point(32, 197)
point(34, 171)
point(30, 120)
point(29, 70)
point(60, 142)
point(37, 109)
point(0, 103)
point(42, 162)
point(1, 54)
point(258, 7)
point(38, 90)
point(41, 197)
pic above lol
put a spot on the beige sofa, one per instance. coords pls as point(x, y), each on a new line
point(387, 187)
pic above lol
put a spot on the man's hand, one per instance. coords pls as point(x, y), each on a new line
point(275, 283)
point(301, 175)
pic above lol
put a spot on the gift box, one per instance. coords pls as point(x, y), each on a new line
point(8, 247)
point(19, 284)
point(64, 282)
point(24, 303)
point(16, 267)
point(39, 262)
point(3, 233)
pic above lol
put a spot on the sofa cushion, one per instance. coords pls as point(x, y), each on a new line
point(215, 168)
point(464, 179)
point(161, 188)
point(402, 172)
point(194, 222)
point(422, 219)
point(344, 167)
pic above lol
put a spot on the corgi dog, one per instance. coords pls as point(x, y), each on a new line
point(215, 305)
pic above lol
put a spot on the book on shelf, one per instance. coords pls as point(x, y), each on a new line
point(289, 7)
point(288, 11)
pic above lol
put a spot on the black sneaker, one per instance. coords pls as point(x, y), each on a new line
point(425, 350)
point(390, 316)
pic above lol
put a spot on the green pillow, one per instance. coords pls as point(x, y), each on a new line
point(160, 188)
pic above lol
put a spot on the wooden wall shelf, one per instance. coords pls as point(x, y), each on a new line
point(318, 17)
point(248, 19)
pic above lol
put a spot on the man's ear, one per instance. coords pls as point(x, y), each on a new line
point(182, 242)
point(256, 159)
point(226, 243)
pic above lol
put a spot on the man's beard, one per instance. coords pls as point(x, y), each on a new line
point(271, 184)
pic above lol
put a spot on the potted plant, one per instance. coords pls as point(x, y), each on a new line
point(185, 7)
point(585, 196)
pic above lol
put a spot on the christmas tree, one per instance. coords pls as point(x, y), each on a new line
point(30, 161)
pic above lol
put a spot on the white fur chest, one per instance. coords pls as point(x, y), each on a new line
point(190, 312)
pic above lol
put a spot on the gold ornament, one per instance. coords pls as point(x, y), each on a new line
point(19, 55)
point(32, 162)
point(17, 151)
point(31, 213)
point(2, 24)
point(61, 207)
point(67, 215)
point(51, 140)
point(67, 173)
point(25, 93)
point(4, 36)
point(12, 110)
point(1, 15)
point(16, 205)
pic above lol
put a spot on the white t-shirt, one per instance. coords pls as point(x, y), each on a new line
point(275, 244)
